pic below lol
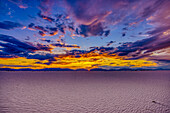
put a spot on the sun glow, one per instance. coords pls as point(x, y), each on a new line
point(85, 61)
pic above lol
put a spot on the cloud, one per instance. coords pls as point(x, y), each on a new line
point(49, 57)
point(9, 25)
point(31, 25)
point(158, 40)
point(102, 14)
point(101, 49)
point(41, 28)
point(143, 48)
point(108, 12)
point(43, 47)
point(46, 17)
point(60, 24)
point(155, 48)
point(65, 45)
point(158, 30)
point(19, 3)
point(42, 33)
point(46, 6)
point(111, 42)
point(94, 51)
point(43, 39)
point(148, 11)
point(95, 29)
point(95, 17)
point(91, 30)
point(80, 10)
point(63, 23)
point(14, 47)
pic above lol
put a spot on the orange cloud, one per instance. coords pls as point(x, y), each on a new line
point(85, 61)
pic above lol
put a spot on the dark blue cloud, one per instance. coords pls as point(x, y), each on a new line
point(46, 40)
point(61, 27)
point(111, 42)
point(49, 19)
point(107, 33)
point(31, 25)
point(143, 48)
point(41, 28)
point(52, 28)
point(101, 49)
point(50, 57)
point(14, 47)
point(16, 42)
point(93, 30)
point(77, 52)
point(9, 25)
point(41, 33)
point(64, 45)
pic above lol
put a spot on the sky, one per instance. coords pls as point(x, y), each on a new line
point(85, 34)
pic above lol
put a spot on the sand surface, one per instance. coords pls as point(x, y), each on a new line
point(85, 92)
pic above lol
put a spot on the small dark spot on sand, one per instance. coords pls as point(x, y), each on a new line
point(154, 101)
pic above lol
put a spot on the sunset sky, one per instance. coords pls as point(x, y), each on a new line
point(85, 34)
